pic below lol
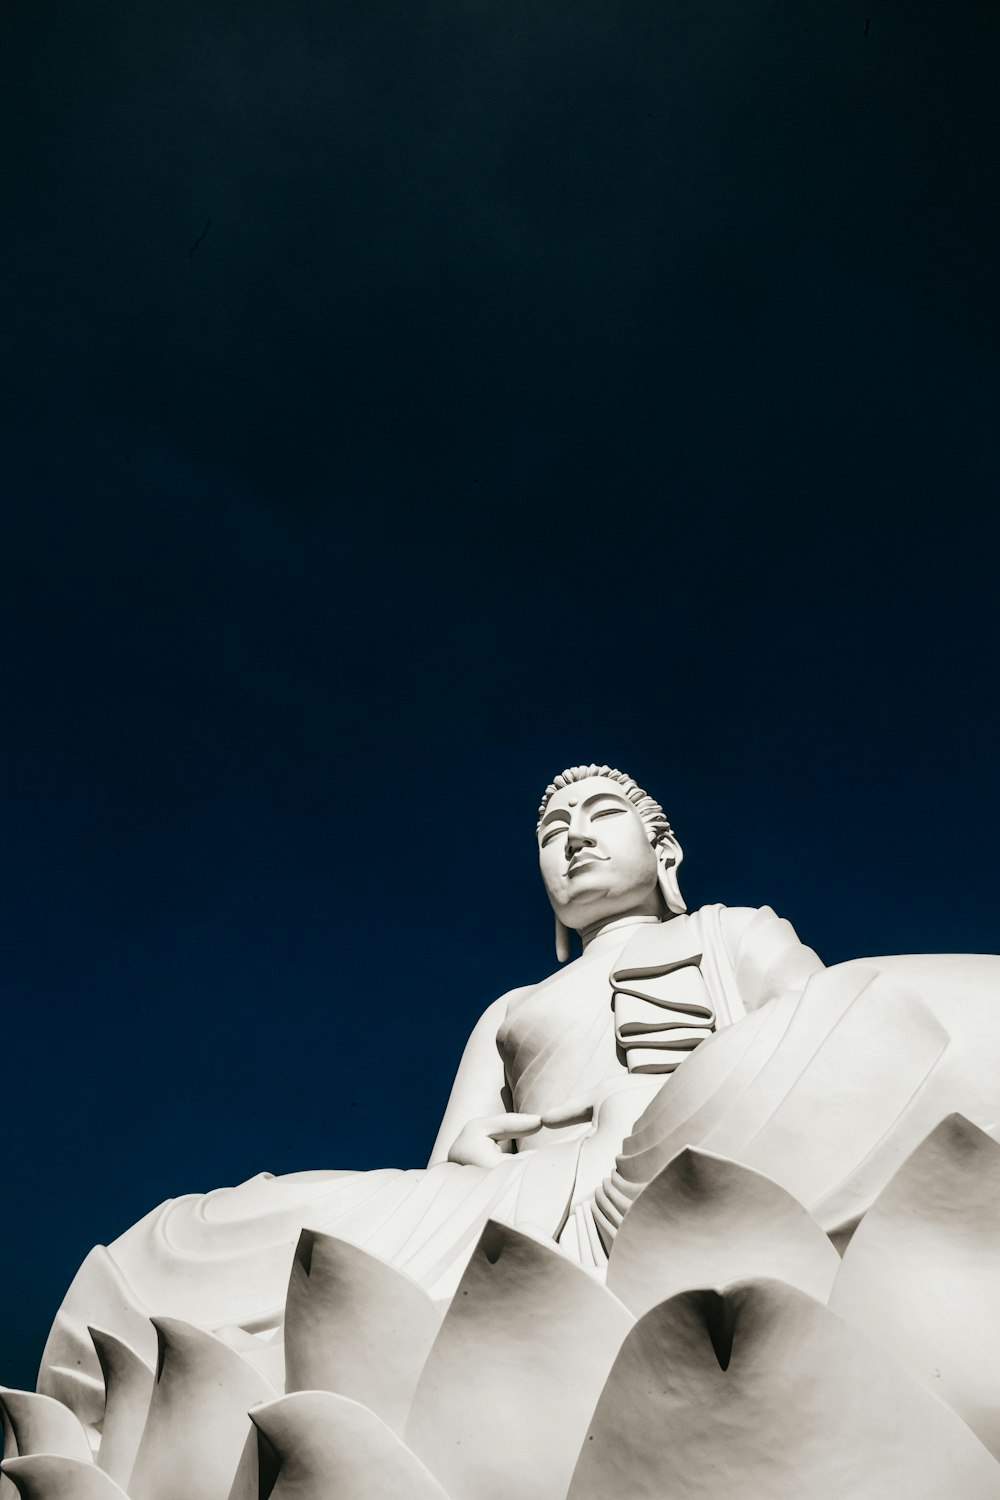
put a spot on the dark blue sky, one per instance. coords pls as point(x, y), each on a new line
point(402, 400)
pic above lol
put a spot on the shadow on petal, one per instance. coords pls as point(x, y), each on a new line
point(315, 1444)
point(762, 1391)
point(128, 1383)
point(920, 1275)
point(251, 1480)
point(708, 1221)
point(356, 1325)
point(197, 1423)
point(99, 1296)
point(510, 1384)
point(38, 1424)
point(49, 1477)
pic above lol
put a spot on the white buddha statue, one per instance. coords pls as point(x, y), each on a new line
point(551, 1081)
point(579, 1056)
point(568, 1097)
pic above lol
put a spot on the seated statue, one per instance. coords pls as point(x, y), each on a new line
point(561, 1107)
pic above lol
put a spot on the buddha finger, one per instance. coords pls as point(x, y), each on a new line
point(573, 1112)
point(505, 1127)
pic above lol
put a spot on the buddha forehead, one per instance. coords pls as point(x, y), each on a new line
point(587, 790)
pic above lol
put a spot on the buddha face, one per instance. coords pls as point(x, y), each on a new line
point(595, 856)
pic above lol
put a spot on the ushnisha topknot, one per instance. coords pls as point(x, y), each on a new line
point(657, 824)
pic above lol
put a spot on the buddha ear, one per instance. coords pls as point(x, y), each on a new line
point(562, 941)
point(669, 855)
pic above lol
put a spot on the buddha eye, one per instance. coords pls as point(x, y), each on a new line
point(553, 833)
point(606, 812)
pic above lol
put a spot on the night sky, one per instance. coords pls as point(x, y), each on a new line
point(403, 399)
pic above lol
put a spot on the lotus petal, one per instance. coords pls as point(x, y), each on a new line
point(266, 1352)
point(315, 1444)
point(128, 1382)
point(99, 1296)
point(708, 1085)
point(763, 1391)
point(510, 1384)
point(355, 1325)
point(854, 1049)
point(784, 1035)
point(815, 1017)
point(712, 1078)
point(961, 990)
point(921, 1276)
point(858, 1083)
point(197, 1423)
point(47, 1476)
point(247, 1483)
point(37, 1424)
point(8, 1490)
point(707, 1221)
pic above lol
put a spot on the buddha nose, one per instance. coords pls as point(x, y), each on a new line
point(577, 839)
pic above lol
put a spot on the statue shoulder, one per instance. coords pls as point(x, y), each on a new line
point(766, 953)
point(741, 925)
point(496, 1014)
point(739, 922)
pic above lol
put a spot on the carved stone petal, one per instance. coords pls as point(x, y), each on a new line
point(851, 1093)
point(246, 1481)
point(921, 1275)
point(313, 1445)
point(701, 1092)
point(197, 1423)
point(266, 1354)
point(707, 1221)
point(356, 1325)
point(98, 1296)
point(853, 1051)
point(816, 1016)
point(510, 1384)
point(763, 1392)
point(744, 1073)
point(128, 1383)
point(46, 1476)
point(38, 1424)
point(961, 989)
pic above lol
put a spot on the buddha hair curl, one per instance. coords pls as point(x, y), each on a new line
point(658, 830)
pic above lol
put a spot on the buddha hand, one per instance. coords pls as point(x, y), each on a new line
point(483, 1143)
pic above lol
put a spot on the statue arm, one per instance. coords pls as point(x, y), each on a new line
point(766, 953)
point(479, 1089)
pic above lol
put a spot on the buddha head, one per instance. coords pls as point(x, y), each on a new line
point(606, 851)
